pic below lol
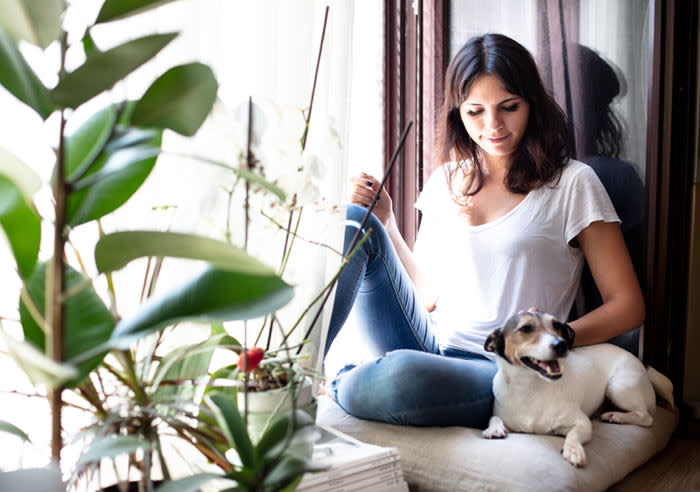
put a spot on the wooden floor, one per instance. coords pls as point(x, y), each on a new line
point(676, 469)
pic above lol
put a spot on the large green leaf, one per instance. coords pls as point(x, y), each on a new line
point(116, 250)
point(88, 322)
point(38, 22)
point(185, 363)
point(273, 439)
point(112, 446)
point(36, 365)
point(18, 217)
point(85, 143)
point(114, 177)
point(103, 69)
point(212, 295)
point(286, 471)
point(13, 429)
point(180, 99)
point(18, 78)
point(118, 9)
point(192, 483)
point(233, 426)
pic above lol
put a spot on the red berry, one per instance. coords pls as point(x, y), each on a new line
point(254, 356)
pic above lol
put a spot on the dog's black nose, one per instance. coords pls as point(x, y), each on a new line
point(560, 346)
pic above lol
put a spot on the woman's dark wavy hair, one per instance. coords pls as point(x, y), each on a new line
point(545, 147)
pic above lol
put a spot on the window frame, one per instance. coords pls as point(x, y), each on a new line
point(416, 49)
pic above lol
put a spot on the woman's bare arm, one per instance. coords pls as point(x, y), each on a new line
point(623, 304)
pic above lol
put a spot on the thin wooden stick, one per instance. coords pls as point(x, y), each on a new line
point(358, 234)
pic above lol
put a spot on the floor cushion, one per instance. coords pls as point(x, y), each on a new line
point(459, 459)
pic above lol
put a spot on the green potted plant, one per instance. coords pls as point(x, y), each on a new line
point(73, 340)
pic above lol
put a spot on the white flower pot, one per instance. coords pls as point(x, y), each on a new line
point(265, 406)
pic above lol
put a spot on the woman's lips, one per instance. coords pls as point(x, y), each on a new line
point(497, 140)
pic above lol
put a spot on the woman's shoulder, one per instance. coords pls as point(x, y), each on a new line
point(576, 169)
point(438, 188)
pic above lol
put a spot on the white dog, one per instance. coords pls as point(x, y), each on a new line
point(543, 387)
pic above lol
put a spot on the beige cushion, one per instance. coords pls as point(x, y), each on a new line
point(459, 459)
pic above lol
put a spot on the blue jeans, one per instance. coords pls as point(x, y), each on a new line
point(412, 381)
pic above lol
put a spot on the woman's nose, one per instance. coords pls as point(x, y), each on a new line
point(493, 120)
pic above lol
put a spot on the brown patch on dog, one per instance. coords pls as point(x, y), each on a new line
point(526, 329)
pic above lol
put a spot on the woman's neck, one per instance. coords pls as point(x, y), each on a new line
point(494, 168)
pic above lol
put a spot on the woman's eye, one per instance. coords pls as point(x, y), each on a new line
point(511, 108)
point(472, 112)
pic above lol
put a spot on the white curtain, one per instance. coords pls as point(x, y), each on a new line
point(266, 50)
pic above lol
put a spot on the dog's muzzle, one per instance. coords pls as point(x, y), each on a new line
point(549, 369)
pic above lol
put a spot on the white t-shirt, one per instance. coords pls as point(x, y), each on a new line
point(484, 274)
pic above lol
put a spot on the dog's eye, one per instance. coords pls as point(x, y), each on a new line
point(526, 328)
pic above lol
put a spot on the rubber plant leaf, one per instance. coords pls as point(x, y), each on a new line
point(211, 295)
point(179, 100)
point(14, 430)
point(36, 365)
point(29, 20)
point(84, 144)
point(20, 80)
point(88, 322)
point(234, 428)
point(103, 69)
point(113, 178)
point(116, 250)
point(111, 446)
point(118, 9)
point(18, 217)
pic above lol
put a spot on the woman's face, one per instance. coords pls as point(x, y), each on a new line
point(493, 117)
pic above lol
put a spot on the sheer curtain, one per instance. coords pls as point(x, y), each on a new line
point(266, 50)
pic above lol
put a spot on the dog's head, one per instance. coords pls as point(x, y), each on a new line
point(532, 340)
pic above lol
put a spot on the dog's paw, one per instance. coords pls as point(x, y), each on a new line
point(635, 418)
point(574, 454)
point(495, 430)
point(611, 417)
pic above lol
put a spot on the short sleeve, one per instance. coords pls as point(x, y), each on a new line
point(434, 194)
point(586, 200)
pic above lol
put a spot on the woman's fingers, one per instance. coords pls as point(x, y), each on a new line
point(363, 189)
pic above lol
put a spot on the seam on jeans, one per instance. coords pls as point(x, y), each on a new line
point(394, 288)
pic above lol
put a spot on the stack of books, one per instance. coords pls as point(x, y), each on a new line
point(351, 465)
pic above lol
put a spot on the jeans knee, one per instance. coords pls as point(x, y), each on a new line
point(356, 214)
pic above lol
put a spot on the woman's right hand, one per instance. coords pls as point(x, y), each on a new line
point(362, 190)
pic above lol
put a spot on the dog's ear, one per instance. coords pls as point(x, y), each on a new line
point(567, 333)
point(496, 343)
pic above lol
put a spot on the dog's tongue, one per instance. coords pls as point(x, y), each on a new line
point(549, 366)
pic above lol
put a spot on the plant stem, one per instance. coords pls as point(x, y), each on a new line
point(325, 289)
point(55, 280)
point(313, 88)
point(358, 235)
point(128, 364)
point(248, 164)
point(293, 233)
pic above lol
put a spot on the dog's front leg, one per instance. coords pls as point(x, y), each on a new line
point(496, 429)
point(577, 435)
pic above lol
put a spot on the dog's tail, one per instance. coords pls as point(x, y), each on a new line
point(662, 385)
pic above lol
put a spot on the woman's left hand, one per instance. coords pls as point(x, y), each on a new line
point(362, 191)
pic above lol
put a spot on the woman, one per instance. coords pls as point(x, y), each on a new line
point(507, 223)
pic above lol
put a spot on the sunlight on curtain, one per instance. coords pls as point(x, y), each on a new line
point(266, 50)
